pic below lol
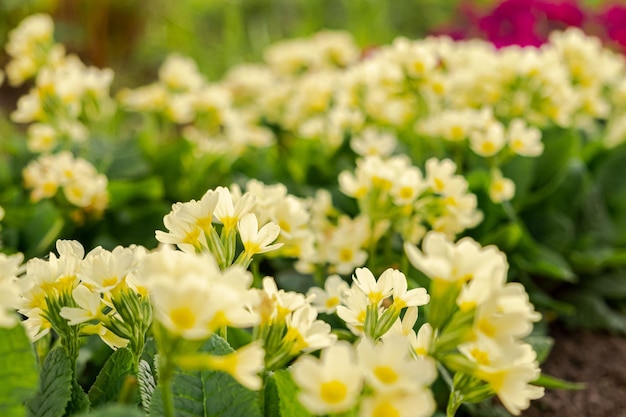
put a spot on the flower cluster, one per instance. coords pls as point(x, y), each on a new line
point(479, 321)
point(204, 111)
point(74, 178)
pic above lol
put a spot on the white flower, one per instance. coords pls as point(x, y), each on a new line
point(417, 402)
point(500, 189)
point(353, 310)
point(524, 140)
point(373, 142)
point(104, 270)
point(388, 366)
point(509, 367)
point(375, 290)
point(330, 384)
point(257, 240)
point(327, 299)
point(306, 333)
point(461, 261)
point(488, 141)
point(244, 365)
point(229, 213)
point(89, 303)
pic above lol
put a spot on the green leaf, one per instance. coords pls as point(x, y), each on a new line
point(542, 345)
point(146, 384)
point(592, 312)
point(208, 393)
point(238, 337)
point(114, 410)
point(540, 260)
point(44, 227)
point(270, 399)
point(287, 390)
point(610, 286)
point(79, 401)
point(551, 382)
point(18, 371)
point(55, 386)
point(125, 191)
point(110, 380)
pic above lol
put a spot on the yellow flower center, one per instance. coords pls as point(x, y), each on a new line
point(192, 237)
point(345, 254)
point(183, 317)
point(457, 133)
point(284, 225)
point(386, 374)
point(332, 302)
point(107, 282)
point(333, 392)
point(439, 184)
point(486, 327)
point(481, 356)
point(385, 409)
point(204, 223)
point(406, 193)
point(487, 147)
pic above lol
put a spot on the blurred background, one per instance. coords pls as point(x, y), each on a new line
point(133, 36)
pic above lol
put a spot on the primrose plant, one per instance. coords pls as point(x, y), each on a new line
point(189, 326)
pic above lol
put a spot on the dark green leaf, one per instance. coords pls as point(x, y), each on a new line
point(124, 191)
point(79, 401)
point(611, 286)
point(55, 386)
point(592, 312)
point(551, 382)
point(208, 393)
point(115, 410)
point(18, 371)
point(287, 390)
point(544, 262)
point(238, 337)
point(271, 401)
point(110, 380)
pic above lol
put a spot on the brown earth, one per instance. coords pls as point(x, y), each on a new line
point(596, 359)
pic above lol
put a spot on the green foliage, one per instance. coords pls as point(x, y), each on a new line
point(112, 377)
point(55, 386)
point(208, 393)
point(18, 371)
point(114, 410)
point(287, 398)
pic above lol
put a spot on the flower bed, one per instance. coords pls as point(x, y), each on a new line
point(346, 232)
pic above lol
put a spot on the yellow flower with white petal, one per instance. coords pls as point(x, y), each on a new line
point(305, 333)
point(255, 240)
point(509, 367)
point(244, 365)
point(228, 212)
point(353, 310)
point(416, 402)
point(375, 290)
point(89, 306)
point(489, 140)
point(104, 270)
point(388, 365)
point(500, 189)
point(372, 141)
point(507, 313)
point(524, 140)
point(330, 384)
point(9, 290)
point(327, 299)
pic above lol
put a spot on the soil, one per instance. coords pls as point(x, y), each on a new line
point(596, 359)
